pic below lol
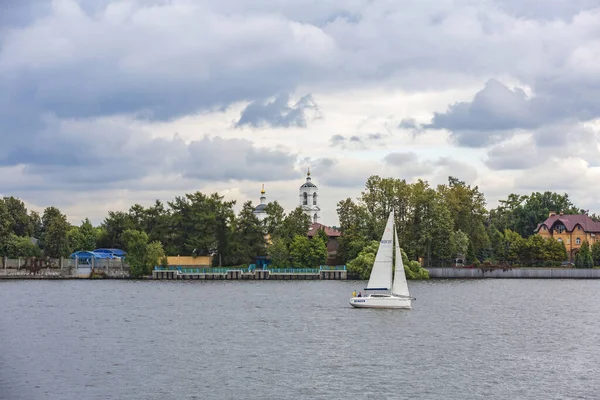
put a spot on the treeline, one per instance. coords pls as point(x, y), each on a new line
point(435, 224)
point(194, 224)
point(451, 220)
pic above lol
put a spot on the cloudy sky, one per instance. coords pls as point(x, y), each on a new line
point(104, 103)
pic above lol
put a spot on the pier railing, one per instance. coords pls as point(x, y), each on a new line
point(249, 269)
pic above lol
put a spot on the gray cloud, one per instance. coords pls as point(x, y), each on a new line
point(237, 159)
point(364, 141)
point(408, 165)
point(497, 112)
point(102, 154)
point(277, 113)
point(512, 156)
point(494, 108)
point(400, 159)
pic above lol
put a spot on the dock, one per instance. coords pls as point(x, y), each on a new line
point(279, 274)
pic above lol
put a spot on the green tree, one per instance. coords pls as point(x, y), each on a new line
point(296, 223)
point(83, 237)
point(583, 258)
point(248, 237)
point(141, 255)
point(273, 222)
point(35, 223)
point(355, 229)
point(113, 227)
point(279, 254)
point(4, 228)
point(595, 248)
point(362, 265)
point(308, 253)
point(18, 219)
point(201, 225)
point(21, 247)
point(467, 210)
point(470, 257)
point(155, 255)
point(54, 234)
point(555, 250)
point(522, 214)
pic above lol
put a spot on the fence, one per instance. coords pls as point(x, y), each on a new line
point(515, 273)
point(62, 267)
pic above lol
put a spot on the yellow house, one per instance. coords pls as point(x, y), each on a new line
point(570, 229)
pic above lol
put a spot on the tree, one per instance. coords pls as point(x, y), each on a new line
point(362, 265)
point(583, 258)
point(296, 223)
point(308, 253)
point(467, 209)
point(21, 246)
point(273, 222)
point(354, 227)
point(279, 254)
point(513, 246)
point(248, 237)
point(201, 225)
point(595, 253)
point(555, 250)
point(470, 258)
point(54, 233)
point(522, 214)
point(141, 255)
point(83, 237)
point(113, 227)
point(19, 222)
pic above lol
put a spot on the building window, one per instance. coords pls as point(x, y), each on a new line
point(559, 228)
point(305, 201)
point(315, 218)
point(559, 240)
point(314, 199)
point(578, 241)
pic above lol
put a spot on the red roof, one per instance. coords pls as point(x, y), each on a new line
point(571, 221)
point(312, 230)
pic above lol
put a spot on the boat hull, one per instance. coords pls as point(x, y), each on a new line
point(381, 302)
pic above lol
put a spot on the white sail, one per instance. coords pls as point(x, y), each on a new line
point(381, 274)
point(400, 287)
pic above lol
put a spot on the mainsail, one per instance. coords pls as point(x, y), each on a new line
point(400, 287)
point(381, 274)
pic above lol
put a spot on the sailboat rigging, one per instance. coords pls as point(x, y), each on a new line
point(387, 275)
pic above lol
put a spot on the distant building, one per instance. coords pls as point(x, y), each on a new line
point(333, 243)
point(259, 210)
point(309, 199)
point(571, 229)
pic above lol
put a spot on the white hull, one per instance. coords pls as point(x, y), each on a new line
point(381, 302)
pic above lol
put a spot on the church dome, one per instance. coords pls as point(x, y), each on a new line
point(308, 183)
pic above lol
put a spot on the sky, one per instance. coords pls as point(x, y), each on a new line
point(107, 103)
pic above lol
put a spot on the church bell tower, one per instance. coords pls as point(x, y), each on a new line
point(309, 199)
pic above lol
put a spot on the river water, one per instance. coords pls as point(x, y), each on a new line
point(477, 339)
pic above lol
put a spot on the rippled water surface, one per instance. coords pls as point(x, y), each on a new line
point(479, 339)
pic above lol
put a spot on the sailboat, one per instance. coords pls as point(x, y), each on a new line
point(392, 292)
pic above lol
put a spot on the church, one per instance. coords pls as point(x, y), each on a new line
point(308, 201)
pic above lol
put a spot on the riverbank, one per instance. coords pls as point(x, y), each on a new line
point(514, 273)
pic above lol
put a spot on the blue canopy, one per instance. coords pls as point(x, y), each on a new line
point(86, 255)
point(114, 252)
